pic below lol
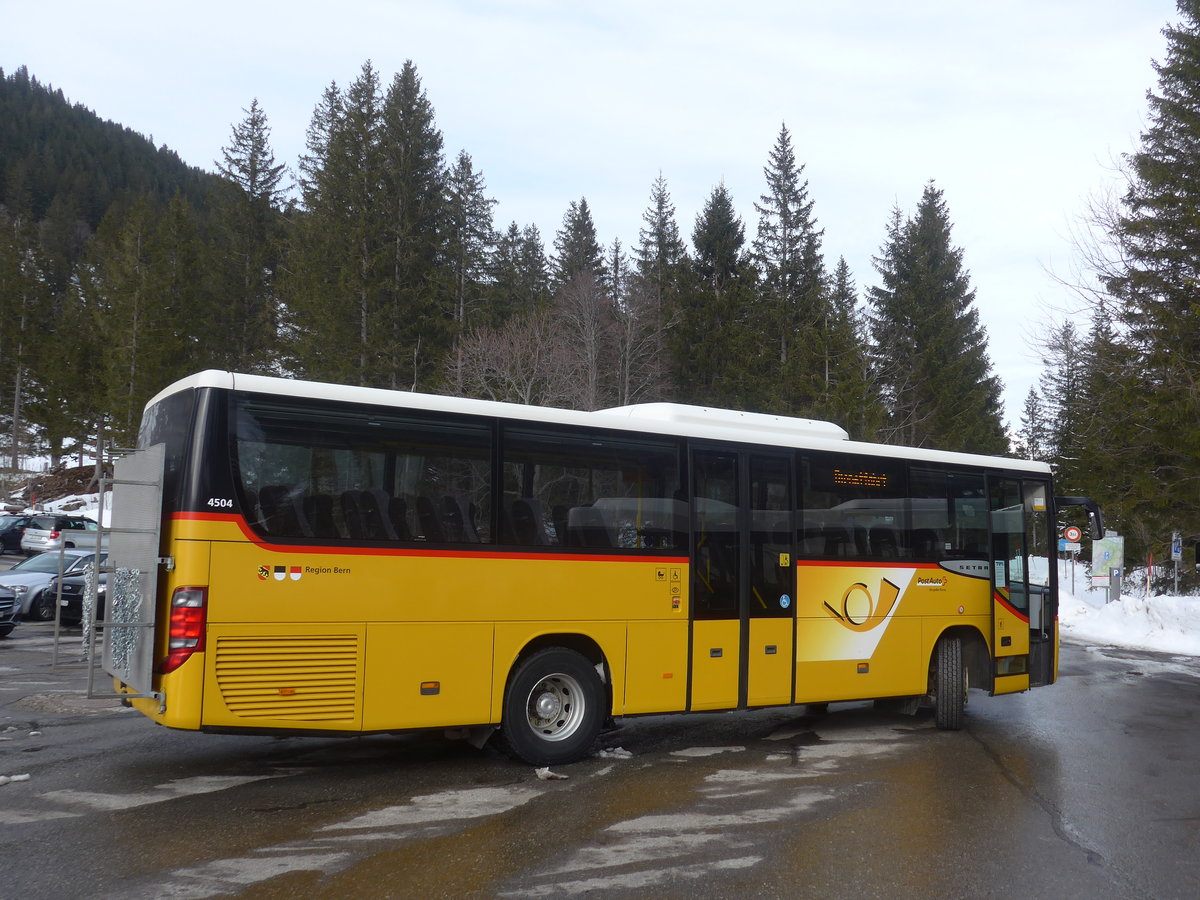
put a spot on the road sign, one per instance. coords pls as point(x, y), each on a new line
point(1072, 533)
point(1176, 547)
point(1069, 546)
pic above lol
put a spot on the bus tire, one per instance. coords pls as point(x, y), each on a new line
point(553, 708)
point(949, 683)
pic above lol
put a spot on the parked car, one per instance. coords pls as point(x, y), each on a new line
point(29, 578)
point(12, 527)
point(46, 532)
point(10, 611)
point(73, 593)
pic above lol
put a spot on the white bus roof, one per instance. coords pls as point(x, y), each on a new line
point(673, 419)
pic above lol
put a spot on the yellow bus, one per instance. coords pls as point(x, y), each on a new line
point(295, 557)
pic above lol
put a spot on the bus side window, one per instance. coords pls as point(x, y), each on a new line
point(279, 511)
point(857, 504)
point(427, 518)
point(812, 542)
point(397, 513)
point(526, 517)
point(925, 543)
point(318, 509)
point(884, 543)
point(950, 515)
point(587, 527)
point(597, 491)
point(458, 519)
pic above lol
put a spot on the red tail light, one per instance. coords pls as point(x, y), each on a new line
point(54, 535)
point(189, 611)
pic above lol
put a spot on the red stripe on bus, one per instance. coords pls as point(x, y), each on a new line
point(232, 518)
point(867, 564)
point(1024, 617)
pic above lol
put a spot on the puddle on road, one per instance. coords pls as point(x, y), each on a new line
point(702, 752)
point(720, 828)
point(643, 826)
point(446, 807)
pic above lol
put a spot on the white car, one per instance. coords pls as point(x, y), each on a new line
point(32, 579)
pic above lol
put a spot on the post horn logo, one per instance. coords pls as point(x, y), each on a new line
point(860, 611)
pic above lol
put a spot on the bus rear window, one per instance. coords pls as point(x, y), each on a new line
point(169, 422)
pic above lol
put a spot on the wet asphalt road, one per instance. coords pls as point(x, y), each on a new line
point(1088, 789)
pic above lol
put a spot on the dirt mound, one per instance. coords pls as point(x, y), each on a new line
point(61, 482)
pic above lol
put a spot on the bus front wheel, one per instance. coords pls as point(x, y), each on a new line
point(553, 708)
point(949, 683)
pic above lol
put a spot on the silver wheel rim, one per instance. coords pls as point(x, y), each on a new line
point(555, 707)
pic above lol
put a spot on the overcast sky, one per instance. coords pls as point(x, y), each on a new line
point(1016, 110)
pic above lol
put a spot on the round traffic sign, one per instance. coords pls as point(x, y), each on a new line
point(1072, 533)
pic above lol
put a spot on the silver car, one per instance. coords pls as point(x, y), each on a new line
point(10, 613)
point(53, 531)
point(33, 580)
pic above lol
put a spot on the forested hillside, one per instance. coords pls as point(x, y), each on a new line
point(60, 159)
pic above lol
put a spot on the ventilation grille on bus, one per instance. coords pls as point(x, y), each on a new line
point(301, 679)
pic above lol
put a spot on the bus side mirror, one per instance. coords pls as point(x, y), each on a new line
point(1095, 517)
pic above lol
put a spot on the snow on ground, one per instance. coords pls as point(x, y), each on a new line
point(1163, 623)
point(84, 505)
point(1166, 624)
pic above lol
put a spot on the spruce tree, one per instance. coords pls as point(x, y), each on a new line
point(1064, 404)
point(715, 362)
point(24, 307)
point(520, 277)
point(660, 251)
point(248, 203)
point(1035, 441)
point(470, 238)
point(141, 290)
point(337, 270)
point(1111, 466)
point(849, 393)
point(718, 238)
point(1158, 237)
point(792, 307)
point(416, 322)
point(576, 247)
point(929, 347)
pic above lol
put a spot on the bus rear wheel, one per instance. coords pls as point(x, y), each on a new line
point(553, 708)
point(949, 683)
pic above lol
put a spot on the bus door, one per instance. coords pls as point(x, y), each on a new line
point(1024, 609)
point(743, 580)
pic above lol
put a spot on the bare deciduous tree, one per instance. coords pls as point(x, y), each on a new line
point(585, 317)
point(524, 361)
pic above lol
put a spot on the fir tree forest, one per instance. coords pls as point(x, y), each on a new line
point(374, 259)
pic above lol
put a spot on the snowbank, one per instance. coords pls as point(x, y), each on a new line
point(1166, 624)
point(80, 504)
